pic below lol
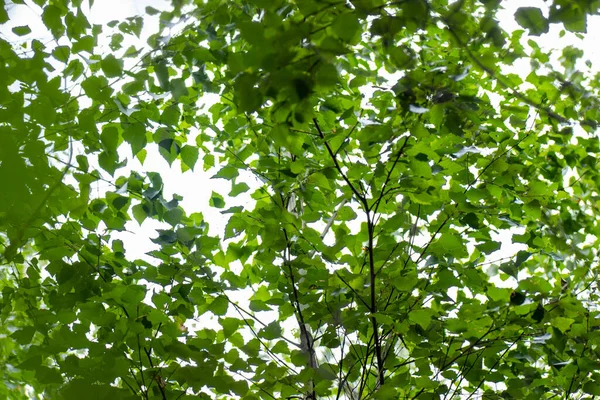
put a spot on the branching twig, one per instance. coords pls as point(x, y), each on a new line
point(359, 196)
point(389, 174)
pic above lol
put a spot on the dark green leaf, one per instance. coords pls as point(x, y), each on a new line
point(111, 66)
point(532, 18)
point(21, 30)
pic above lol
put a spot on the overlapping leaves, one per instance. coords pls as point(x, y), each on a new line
point(389, 150)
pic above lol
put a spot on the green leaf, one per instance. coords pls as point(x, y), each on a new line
point(52, 17)
point(249, 99)
point(85, 43)
point(498, 294)
point(111, 66)
point(216, 200)
point(23, 336)
point(61, 53)
point(109, 161)
point(48, 376)
point(178, 88)
point(239, 188)
point(189, 156)
point(592, 388)
point(532, 18)
point(110, 139)
point(227, 172)
point(173, 217)
point(170, 116)
point(83, 162)
point(169, 149)
point(135, 135)
point(133, 294)
point(253, 32)
point(522, 256)
point(346, 26)
point(162, 73)
point(96, 88)
point(449, 244)
point(3, 13)
point(571, 15)
point(21, 30)
point(272, 331)
point(151, 10)
point(230, 325)
point(219, 305)
point(423, 317)
point(562, 323)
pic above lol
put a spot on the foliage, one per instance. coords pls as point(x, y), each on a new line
point(390, 149)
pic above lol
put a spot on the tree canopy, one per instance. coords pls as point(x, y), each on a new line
point(388, 153)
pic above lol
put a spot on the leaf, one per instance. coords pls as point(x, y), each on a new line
point(219, 305)
point(592, 388)
point(178, 89)
point(119, 202)
point(239, 188)
point(52, 18)
point(522, 256)
point(423, 317)
point(23, 336)
point(111, 66)
point(169, 149)
point(571, 15)
point(510, 269)
point(488, 247)
point(436, 114)
point(78, 388)
point(562, 323)
point(227, 172)
point(135, 135)
point(248, 97)
point(162, 73)
point(189, 156)
point(449, 245)
point(151, 10)
point(95, 88)
point(3, 14)
point(21, 30)
point(216, 200)
point(532, 18)
point(253, 32)
point(346, 26)
point(173, 217)
point(110, 139)
point(170, 116)
point(109, 161)
point(61, 53)
point(272, 331)
point(498, 294)
point(83, 162)
point(48, 376)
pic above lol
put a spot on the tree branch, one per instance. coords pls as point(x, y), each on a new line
point(387, 179)
point(359, 196)
point(372, 279)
